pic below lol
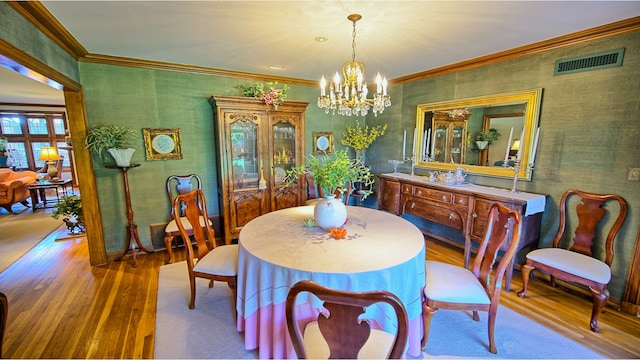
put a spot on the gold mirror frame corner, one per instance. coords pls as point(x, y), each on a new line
point(532, 98)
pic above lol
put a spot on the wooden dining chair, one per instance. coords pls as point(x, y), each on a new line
point(456, 288)
point(177, 185)
point(206, 260)
point(338, 332)
point(4, 309)
point(574, 261)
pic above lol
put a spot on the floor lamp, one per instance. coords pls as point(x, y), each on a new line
point(50, 155)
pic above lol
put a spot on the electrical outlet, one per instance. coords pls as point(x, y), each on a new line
point(634, 174)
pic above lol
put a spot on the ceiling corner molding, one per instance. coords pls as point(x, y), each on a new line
point(616, 28)
point(42, 19)
point(191, 69)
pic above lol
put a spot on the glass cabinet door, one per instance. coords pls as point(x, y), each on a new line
point(440, 142)
point(244, 154)
point(457, 143)
point(284, 150)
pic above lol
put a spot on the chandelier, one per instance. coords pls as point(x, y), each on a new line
point(350, 97)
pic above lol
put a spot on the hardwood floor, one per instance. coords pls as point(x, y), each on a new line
point(60, 307)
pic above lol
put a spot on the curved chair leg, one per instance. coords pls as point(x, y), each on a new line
point(210, 283)
point(599, 299)
point(192, 282)
point(476, 317)
point(168, 244)
point(526, 274)
point(427, 315)
point(492, 326)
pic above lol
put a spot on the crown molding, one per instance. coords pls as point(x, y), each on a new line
point(191, 69)
point(616, 28)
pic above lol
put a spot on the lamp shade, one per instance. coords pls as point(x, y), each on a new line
point(515, 146)
point(49, 154)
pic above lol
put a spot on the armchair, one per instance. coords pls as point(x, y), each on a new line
point(14, 187)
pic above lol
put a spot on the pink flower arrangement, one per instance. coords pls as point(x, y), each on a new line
point(272, 96)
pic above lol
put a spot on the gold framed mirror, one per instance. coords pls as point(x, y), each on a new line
point(448, 132)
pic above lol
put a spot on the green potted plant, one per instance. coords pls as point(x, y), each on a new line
point(487, 137)
point(332, 172)
point(70, 207)
point(117, 140)
point(360, 138)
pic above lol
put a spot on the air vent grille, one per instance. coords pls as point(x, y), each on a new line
point(603, 60)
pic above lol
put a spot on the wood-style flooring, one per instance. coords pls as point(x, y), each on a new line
point(60, 307)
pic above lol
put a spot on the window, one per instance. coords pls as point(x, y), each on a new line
point(27, 132)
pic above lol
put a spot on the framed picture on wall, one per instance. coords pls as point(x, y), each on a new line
point(162, 144)
point(322, 142)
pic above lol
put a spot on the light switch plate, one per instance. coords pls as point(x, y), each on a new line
point(634, 174)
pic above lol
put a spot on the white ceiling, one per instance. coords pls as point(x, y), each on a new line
point(396, 38)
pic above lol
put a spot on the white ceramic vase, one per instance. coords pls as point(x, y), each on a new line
point(482, 144)
point(330, 213)
point(122, 156)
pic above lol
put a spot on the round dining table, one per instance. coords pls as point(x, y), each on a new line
point(380, 251)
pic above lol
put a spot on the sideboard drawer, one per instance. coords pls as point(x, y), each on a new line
point(451, 217)
point(407, 189)
point(460, 199)
point(431, 194)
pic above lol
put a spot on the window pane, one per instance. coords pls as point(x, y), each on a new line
point(35, 147)
point(63, 153)
point(11, 124)
point(58, 126)
point(18, 155)
point(38, 126)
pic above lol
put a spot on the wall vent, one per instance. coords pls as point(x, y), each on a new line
point(603, 60)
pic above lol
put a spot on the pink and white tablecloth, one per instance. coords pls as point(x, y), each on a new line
point(380, 252)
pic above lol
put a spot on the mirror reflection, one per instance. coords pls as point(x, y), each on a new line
point(485, 135)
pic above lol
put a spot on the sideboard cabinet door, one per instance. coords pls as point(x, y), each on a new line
point(255, 146)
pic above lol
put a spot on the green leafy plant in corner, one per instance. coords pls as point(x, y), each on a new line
point(490, 135)
point(70, 207)
point(331, 172)
point(101, 138)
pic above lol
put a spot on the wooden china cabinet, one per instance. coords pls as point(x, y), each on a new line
point(256, 144)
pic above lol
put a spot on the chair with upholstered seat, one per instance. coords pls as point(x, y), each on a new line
point(206, 260)
point(574, 261)
point(4, 308)
point(456, 288)
point(177, 185)
point(339, 333)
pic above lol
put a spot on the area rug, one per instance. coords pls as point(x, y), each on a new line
point(22, 231)
point(209, 330)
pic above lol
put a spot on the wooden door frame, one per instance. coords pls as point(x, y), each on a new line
point(78, 125)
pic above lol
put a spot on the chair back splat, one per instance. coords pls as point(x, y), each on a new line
point(456, 288)
point(575, 261)
point(177, 185)
point(207, 260)
point(340, 334)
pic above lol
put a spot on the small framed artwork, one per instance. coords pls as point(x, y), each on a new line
point(322, 142)
point(162, 144)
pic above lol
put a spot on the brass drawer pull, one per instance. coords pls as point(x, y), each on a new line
point(475, 215)
point(451, 216)
point(413, 205)
point(444, 197)
point(460, 201)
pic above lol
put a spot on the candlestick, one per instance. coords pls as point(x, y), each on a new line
point(506, 154)
point(535, 148)
point(323, 84)
point(428, 143)
point(415, 142)
point(521, 144)
point(404, 144)
point(424, 145)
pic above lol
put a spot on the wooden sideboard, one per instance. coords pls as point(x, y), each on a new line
point(465, 208)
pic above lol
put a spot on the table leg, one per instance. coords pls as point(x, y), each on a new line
point(132, 233)
point(34, 199)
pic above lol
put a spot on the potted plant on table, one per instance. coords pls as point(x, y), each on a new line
point(115, 139)
point(332, 172)
point(487, 137)
point(70, 207)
